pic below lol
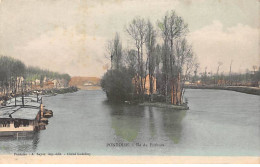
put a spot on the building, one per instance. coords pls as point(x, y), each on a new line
point(146, 82)
point(19, 117)
point(49, 84)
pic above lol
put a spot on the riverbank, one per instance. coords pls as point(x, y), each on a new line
point(51, 92)
point(59, 91)
point(165, 105)
point(242, 89)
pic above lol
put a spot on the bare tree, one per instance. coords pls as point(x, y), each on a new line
point(230, 72)
point(137, 30)
point(184, 64)
point(151, 56)
point(158, 61)
point(196, 66)
point(117, 51)
point(114, 50)
point(254, 68)
point(172, 27)
point(204, 75)
point(110, 51)
point(219, 64)
point(131, 61)
point(217, 77)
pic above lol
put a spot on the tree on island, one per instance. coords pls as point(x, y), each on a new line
point(165, 61)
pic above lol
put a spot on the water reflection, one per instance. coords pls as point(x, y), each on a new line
point(172, 123)
point(126, 120)
point(35, 141)
point(129, 121)
point(151, 122)
point(22, 144)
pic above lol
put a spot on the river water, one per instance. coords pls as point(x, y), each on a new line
point(219, 123)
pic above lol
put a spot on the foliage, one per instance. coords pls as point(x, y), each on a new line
point(33, 73)
point(11, 71)
point(167, 59)
point(10, 67)
point(117, 84)
point(114, 49)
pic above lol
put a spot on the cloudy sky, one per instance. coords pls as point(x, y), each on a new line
point(70, 36)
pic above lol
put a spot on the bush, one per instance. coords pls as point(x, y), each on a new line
point(117, 84)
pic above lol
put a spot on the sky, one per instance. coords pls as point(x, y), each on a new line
point(70, 36)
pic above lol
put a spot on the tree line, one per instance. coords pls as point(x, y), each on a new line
point(249, 78)
point(14, 75)
point(160, 56)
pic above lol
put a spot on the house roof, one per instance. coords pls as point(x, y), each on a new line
point(29, 111)
point(6, 111)
point(28, 101)
point(26, 113)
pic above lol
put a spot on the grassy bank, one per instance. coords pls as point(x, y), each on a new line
point(242, 89)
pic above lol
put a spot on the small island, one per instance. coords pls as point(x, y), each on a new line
point(151, 73)
point(161, 64)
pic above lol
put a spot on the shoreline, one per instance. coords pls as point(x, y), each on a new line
point(165, 105)
point(241, 89)
point(51, 92)
point(56, 91)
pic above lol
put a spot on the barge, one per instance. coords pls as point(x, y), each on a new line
point(22, 116)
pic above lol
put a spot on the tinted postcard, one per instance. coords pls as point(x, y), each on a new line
point(129, 81)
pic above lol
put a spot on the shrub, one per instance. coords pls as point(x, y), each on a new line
point(117, 84)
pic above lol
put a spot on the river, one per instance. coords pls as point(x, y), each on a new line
point(219, 123)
